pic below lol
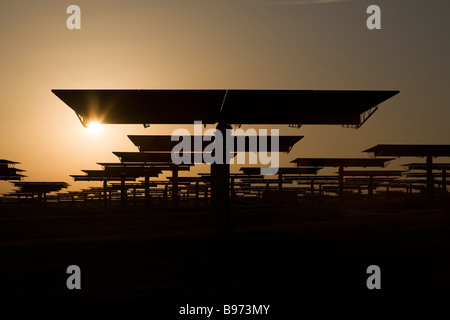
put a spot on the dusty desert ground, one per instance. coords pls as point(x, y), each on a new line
point(314, 252)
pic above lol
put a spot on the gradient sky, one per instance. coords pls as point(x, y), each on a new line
point(210, 44)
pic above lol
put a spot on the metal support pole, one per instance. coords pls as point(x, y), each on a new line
point(430, 179)
point(220, 190)
point(341, 184)
point(370, 191)
point(39, 199)
point(175, 196)
point(165, 192)
point(105, 188)
point(410, 190)
point(444, 182)
point(233, 191)
point(320, 193)
point(147, 188)
point(197, 193)
point(280, 188)
point(122, 191)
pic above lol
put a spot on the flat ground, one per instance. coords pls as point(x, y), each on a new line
point(274, 253)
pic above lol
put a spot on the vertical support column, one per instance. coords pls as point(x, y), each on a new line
point(320, 193)
point(220, 187)
point(39, 199)
point(341, 184)
point(221, 201)
point(147, 187)
point(370, 191)
point(45, 199)
point(280, 188)
point(123, 199)
point(134, 196)
point(197, 193)
point(312, 190)
point(444, 182)
point(166, 192)
point(430, 179)
point(105, 188)
point(175, 196)
point(213, 186)
point(233, 191)
point(410, 190)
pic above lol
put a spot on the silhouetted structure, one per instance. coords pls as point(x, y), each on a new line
point(41, 189)
point(8, 171)
point(162, 143)
point(414, 150)
point(224, 107)
point(282, 172)
point(342, 107)
point(341, 163)
point(443, 167)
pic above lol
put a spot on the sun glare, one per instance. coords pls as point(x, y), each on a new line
point(94, 127)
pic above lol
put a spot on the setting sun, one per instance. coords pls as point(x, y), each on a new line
point(94, 127)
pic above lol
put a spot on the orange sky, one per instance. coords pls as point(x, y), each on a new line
point(246, 44)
